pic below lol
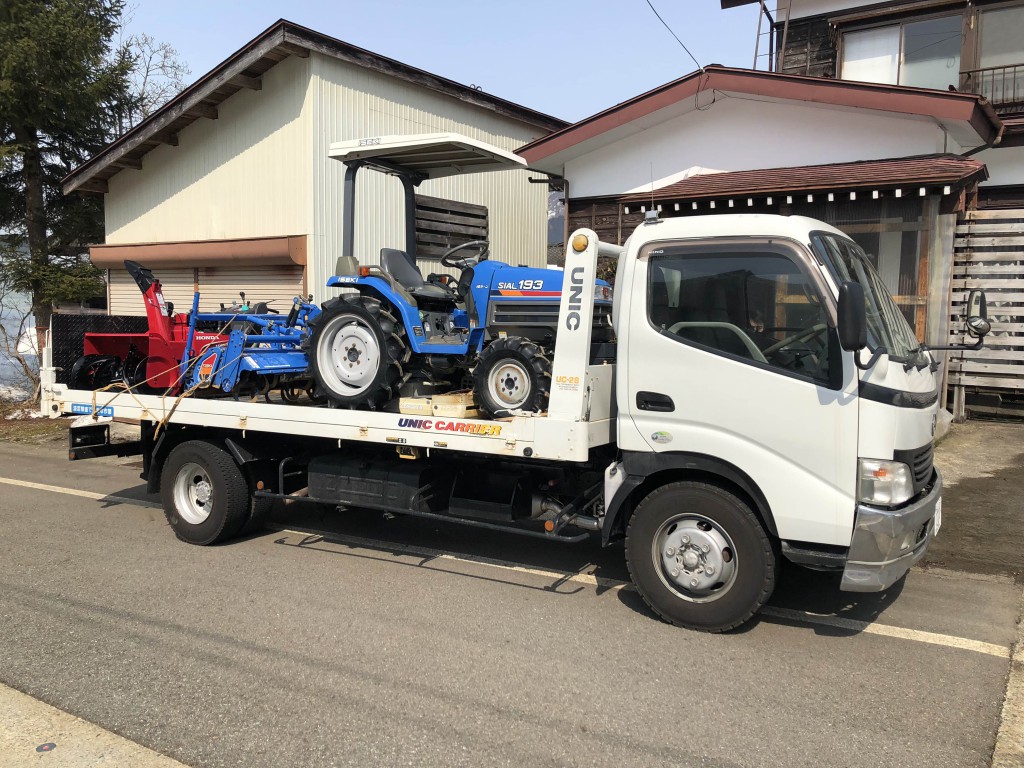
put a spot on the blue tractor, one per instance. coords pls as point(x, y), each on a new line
point(394, 333)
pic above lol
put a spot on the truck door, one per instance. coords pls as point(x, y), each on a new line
point(731, 353)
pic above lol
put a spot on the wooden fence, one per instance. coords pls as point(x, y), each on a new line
point(989, 254)
point(443, 224)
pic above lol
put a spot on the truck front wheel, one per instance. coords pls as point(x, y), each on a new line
point(205, 496)
point(699, 557)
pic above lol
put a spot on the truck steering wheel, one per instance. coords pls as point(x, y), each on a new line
point(481, 247)
point(805, 335)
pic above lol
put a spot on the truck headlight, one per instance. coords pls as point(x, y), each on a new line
point(884, 483)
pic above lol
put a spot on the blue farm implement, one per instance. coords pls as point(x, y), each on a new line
point(242, 349)
point(263, 351)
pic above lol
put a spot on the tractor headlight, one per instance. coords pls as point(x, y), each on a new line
point(884, 483)
point(602, 293)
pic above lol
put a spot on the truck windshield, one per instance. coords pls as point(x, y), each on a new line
point(887, 327)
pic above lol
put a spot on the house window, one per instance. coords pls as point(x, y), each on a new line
point(925, 54)
point(1001, 56)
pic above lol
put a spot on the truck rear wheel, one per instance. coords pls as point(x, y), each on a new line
point(699, 557)
point(205, 496)
point(512, 375)
point(357, 352)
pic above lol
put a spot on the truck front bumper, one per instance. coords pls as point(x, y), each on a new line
point(886, 542)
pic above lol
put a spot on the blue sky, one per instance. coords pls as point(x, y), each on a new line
point(568, 58)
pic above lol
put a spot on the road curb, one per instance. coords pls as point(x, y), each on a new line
point(31, 729)
point(1009, 751)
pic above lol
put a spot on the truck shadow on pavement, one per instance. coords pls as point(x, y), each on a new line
point(418, 543)
point(425, 544)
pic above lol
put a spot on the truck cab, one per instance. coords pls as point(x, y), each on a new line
point(732, 369)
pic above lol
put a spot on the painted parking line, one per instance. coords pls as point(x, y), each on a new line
point(579, 577)
point(31, 731)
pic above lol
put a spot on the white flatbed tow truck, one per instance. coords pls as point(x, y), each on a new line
point(767, 399)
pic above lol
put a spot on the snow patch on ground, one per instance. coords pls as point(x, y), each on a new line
point(24, 413)
point(12, 394)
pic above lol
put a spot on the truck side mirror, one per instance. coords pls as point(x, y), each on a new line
point(852, 320)
point(978, 324)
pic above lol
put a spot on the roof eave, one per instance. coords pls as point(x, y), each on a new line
point(967, 108)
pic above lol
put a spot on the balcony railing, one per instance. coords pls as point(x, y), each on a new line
point(1003, 86)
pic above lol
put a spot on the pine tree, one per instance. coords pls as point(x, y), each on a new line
point(63, 84)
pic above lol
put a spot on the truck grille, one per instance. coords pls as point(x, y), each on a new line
point(920, 461)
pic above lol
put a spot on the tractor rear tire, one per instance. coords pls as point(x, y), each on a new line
point(357, 353)
point(512, 374)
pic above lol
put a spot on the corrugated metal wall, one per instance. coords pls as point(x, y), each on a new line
point(246, 174)
point(125, 298)
point(353, 102)
point(261, 170)
point(278, 285)
point(275, 284)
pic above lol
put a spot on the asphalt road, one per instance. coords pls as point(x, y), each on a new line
point(368, 648)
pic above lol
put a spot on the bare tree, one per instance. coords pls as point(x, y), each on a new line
point(157, 76)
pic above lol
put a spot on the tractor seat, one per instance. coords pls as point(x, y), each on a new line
point(397, 264)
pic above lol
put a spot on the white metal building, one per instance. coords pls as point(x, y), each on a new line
point(229, 186)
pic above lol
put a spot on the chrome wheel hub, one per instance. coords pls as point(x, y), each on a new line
point(695, 558)
point(193, 493)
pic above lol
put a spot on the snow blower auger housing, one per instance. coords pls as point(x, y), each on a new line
point(395, 333)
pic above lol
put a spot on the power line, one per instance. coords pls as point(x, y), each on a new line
point(674, 35)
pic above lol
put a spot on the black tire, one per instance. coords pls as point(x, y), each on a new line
point(511, 374)
point(259, 513)
point(664, 541)
point(375, 368)
point(204, 493)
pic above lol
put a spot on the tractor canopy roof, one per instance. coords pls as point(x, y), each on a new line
point(428, 155)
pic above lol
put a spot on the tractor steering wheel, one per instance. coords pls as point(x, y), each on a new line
point(481, 247)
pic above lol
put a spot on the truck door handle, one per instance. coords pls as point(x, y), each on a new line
point(654, 401)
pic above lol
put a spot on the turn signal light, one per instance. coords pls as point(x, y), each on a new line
point(549, 525)
point(364, 271)
point(580, 243)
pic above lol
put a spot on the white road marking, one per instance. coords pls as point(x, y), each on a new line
point(76, 492)
point(577, 577)
point(31, 731)
point(887, 630)
point(804, 617)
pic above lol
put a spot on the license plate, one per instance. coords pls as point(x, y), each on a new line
point(937, 518)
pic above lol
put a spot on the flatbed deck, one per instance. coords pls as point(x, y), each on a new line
point(543, 436)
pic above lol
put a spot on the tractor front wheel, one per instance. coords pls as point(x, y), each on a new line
point(512, 375)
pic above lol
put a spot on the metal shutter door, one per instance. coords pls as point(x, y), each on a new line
point(279, 284)
point(125, 298)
